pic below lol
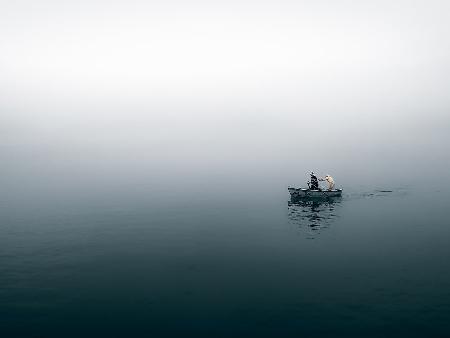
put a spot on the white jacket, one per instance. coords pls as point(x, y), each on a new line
point(330, 182)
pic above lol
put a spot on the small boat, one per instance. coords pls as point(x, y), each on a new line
point(308, 193)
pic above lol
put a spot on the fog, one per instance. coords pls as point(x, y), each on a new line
point(204, 93)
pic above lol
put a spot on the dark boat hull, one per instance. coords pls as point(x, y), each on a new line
point(308, 193)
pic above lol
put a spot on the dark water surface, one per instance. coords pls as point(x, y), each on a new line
point(224, 262)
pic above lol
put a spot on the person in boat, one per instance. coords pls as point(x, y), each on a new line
point(329, 180)
point(314, 183)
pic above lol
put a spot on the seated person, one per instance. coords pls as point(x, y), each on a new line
point(314, 182)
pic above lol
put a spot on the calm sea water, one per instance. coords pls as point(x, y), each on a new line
point(222, 260)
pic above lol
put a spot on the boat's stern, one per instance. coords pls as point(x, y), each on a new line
point(297, 192)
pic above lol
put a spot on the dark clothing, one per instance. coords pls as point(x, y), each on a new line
point(314, 183)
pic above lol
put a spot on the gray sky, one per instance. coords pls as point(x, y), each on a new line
point(206, 79)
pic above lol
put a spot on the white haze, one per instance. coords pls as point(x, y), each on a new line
point(230, 91)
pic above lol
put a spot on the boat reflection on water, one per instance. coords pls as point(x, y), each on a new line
point(312, 216)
